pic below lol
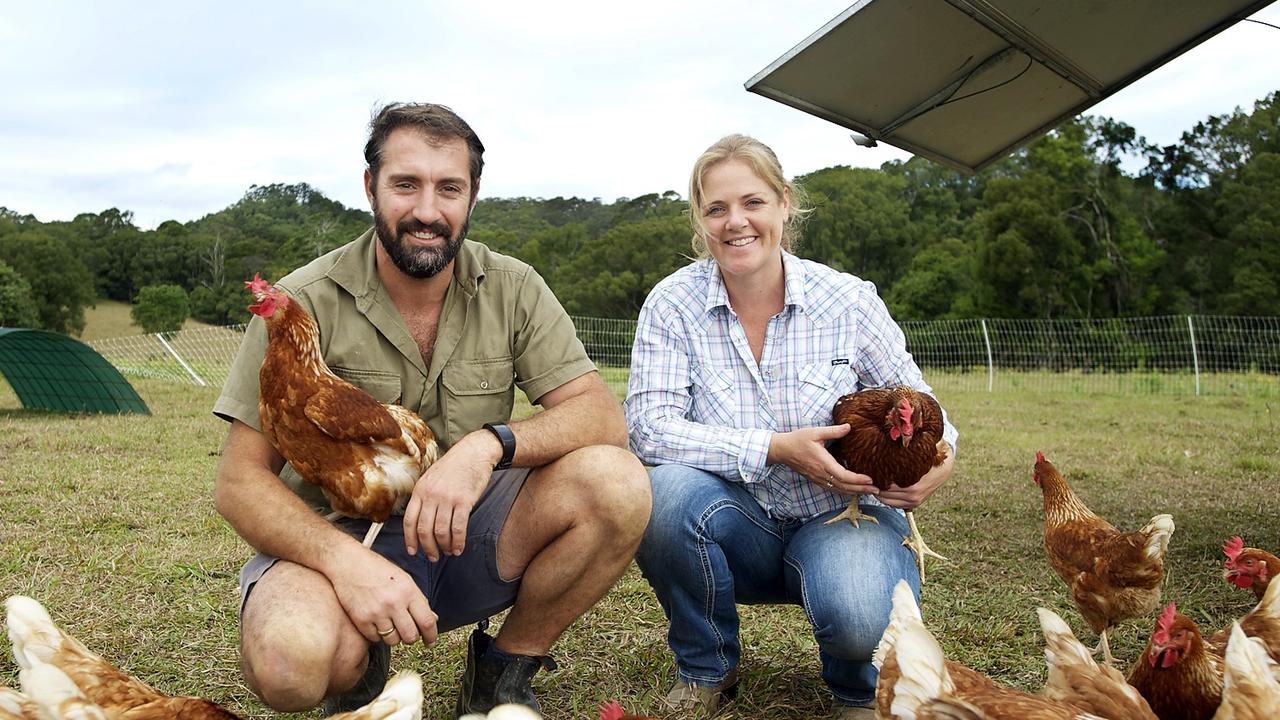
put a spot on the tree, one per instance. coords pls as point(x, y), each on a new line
point(160, 308)
point(17, 309)
point(61, 286)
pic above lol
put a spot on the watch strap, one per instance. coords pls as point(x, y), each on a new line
point(508, 440)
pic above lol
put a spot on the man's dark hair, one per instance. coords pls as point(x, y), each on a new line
point(435, 121)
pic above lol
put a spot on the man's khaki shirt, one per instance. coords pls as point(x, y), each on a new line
point(500, 327)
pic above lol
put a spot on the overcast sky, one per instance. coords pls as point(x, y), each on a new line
point(173, 109)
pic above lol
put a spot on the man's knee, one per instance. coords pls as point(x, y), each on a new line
point(615, 489)
point(289, 671)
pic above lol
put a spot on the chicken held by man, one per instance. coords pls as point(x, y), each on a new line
point(1112, 575)
point(1179, 674)
point(365, 455)
point(895, 438)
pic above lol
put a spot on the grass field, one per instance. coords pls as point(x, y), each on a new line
point(109, 522)
point(110, 319)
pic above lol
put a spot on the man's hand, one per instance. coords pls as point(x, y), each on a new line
point(914, 496)
point(378, 596)
point(805, 451)
point(436, 517)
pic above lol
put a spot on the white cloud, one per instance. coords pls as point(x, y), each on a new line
point(173, 110)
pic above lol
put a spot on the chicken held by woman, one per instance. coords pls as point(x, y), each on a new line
point(895, 438)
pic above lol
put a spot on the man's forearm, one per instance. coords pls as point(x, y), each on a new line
point(590, 418)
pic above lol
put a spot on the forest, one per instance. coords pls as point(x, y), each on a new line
point(1089, 221)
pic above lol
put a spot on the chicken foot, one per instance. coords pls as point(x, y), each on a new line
point(854, 514)
point(1105, 648)
point(917, 545)
point(369, 537)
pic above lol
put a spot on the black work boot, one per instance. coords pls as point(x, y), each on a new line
point(494, 677)
point(368, 687)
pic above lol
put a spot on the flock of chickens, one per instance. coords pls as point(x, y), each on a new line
point(1233, 674)
point(61, 679)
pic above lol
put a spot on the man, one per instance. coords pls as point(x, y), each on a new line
point(416, 314)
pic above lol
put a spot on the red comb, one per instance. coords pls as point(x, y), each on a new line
point(1161, 635)
point(1233, 547)
point(1039, 456)
point(611, 710)
point(257, 284)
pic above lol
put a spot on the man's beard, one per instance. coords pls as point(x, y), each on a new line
point(419, 262)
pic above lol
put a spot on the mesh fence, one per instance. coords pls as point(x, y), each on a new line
point(1179, 355)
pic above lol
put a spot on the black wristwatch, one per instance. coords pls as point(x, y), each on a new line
point(508, 440)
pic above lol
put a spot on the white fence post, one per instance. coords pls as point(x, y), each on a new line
point(1195, 355)
point(199, 380)
point(991, 365)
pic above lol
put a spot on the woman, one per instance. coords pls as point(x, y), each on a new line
point(738, 360)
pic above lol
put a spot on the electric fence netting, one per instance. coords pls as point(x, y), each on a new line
point(1170, 355)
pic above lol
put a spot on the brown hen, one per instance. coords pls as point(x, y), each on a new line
point(38, 641)
point(365, 455)
point(1112, 575)
point(895, 437)
point(917, 681)
point(1249, 567)
point(1250, 684)
point(1178, 673)
point(1263, 623)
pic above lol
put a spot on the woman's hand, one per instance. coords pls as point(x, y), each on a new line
point(805, 451)
point(912, 497)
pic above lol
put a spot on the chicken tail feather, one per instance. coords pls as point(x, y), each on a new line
point(904, 610)
point(401, 699)
point(1158, 531)
point(56, 695)
point(35, 638)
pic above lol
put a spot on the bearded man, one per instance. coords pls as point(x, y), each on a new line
point(540, 516)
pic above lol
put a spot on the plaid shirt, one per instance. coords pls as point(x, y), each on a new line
point(697, 397)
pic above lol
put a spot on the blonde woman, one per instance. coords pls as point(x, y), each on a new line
point(738, 360)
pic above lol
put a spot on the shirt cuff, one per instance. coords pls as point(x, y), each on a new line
point(753, 461)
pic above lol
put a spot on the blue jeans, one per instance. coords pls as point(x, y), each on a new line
point(710, 545)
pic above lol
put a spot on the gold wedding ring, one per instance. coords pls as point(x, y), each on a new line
point(388, 631)
point(831, 481)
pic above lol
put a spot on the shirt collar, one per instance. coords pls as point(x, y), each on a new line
point(793, 271)
point(356, 270)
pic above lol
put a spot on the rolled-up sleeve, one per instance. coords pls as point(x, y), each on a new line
point(659, 406)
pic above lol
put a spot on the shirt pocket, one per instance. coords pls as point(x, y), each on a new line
point(821, 384)
point(385, 387)
point(477, 392)
point(714, 401)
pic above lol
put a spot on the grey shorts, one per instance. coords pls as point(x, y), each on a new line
point(462, 590)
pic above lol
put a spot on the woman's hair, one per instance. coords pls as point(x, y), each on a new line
point(760, 158)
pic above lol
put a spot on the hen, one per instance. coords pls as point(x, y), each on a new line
point(16, 706)
point(365, 455)
point(1178, 673)
point(1250, 690)
point(613, 710)
point(1112, 575)
point(55, 696)
point(1263, 623)
point(1249, 567)
point(1075, 678)
point(400, 699)
point(917, 681)
point(895, 437)
point(37, 641)
point(508, 711)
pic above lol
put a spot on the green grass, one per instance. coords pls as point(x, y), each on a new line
point(108, 521)
point(110, 319)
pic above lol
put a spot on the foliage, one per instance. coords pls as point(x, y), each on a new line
point(161, 308)
point(17, 309)
point(1060, 229)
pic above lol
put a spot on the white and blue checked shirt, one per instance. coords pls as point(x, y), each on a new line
point(696, 396)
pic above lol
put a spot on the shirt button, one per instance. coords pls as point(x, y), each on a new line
point(484, 384)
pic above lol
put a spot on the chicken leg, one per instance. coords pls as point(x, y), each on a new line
point(853, 513)
point(1105, 647)
point(916, 542)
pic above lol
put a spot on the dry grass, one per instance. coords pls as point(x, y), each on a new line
point(109, 522)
